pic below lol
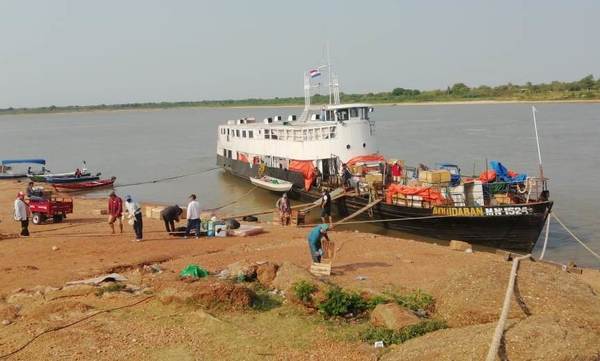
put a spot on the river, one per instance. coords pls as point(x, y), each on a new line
point(139, 146)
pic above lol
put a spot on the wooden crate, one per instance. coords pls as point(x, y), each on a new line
point(320, 269)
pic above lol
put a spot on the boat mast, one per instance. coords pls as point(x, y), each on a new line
point(537, 140)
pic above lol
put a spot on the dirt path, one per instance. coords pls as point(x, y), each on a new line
point(468, 288)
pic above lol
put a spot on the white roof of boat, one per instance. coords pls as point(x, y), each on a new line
point(348, 105)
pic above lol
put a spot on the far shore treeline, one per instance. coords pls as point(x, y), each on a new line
point(586, 88)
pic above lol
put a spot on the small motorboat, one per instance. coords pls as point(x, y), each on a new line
point(82, 179)
point(8, 173)
point(42, 178)
point(83, 186)
point(272, 184)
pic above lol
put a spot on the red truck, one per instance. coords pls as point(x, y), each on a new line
point(44, 208)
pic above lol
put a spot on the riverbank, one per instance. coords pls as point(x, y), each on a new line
point(468, 289)
point(94, 109)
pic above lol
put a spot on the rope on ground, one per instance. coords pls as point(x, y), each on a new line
point(493, 351)
point(58, 328)
point(158, 180)
point(576, 238)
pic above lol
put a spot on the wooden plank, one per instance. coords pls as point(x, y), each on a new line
point(362, 210)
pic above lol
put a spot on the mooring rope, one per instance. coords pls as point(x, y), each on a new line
point(158, 180)
point(495, 345)
point(576, 238)
point(546, 236)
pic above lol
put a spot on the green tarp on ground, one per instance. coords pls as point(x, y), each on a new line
point(195, 271)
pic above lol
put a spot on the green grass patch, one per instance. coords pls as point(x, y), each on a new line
point(303, 290)
point(417, 300)
point(265, 301)
point(113, 287)
point(341, 303)
point(390, 337)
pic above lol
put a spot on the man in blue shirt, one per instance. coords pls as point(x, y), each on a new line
point(314, 241)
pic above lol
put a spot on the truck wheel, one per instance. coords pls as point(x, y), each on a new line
point(38, 218)
point(57, 218)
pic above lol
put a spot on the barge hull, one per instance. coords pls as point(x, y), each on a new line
point(510, 227)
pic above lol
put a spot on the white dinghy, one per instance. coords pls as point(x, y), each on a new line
point(272, 184)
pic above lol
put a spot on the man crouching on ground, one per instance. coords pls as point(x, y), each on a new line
point(314, 241)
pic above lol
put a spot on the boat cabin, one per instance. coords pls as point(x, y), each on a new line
point(344, 112)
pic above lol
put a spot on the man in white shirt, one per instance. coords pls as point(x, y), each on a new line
point(22, 214)
point(193, 216)
point(135, 211)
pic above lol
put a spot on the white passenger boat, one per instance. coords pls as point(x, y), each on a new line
point(272, 184)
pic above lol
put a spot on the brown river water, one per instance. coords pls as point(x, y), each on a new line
point(141, 146)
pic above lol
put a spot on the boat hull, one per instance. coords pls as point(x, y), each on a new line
point(509, 227)
point(83, 186)
point(61, 180)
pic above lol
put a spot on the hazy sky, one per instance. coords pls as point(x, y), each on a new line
point(91, 52)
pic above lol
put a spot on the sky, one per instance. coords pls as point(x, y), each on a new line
point(80, 52)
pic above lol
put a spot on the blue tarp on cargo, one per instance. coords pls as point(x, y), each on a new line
point(28, 161)
point(502, 173)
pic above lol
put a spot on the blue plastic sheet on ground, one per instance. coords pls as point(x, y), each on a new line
point(502, 173)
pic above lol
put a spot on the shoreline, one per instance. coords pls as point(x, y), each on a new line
point(425, 103)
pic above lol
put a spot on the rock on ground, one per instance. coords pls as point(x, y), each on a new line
point(266, 273)
point(392, 316)
point(459, 245)
point(288, 274)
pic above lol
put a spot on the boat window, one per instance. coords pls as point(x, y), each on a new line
point(332, 135)
point(364, 113)
point(342, 114)
point(250, 134)
point(237, 133)
point(289, 135)
point(353, 112)
point(243, 134)
point(273, 135)
point(329, 115)
point(297, 135)
point(267, 134)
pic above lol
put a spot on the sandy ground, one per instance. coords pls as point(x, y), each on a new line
point(468, 288)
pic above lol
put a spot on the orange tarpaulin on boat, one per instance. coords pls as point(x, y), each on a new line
point(427, 193)
point(370, 158)
point(243, 157)
point(488, 176)
point(306, 168)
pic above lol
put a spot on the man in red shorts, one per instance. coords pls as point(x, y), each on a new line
point(115, 211)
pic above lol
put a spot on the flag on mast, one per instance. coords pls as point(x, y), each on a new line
point(313, 73)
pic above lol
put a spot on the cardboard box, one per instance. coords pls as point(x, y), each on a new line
point(434, 176)
point(373, 177)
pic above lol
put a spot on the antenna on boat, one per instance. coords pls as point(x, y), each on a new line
point(537, 140)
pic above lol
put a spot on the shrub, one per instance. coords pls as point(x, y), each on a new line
point(417, 300)
point(390, 337)
point(340, 303)
point(303, 290)
point(377, 300)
